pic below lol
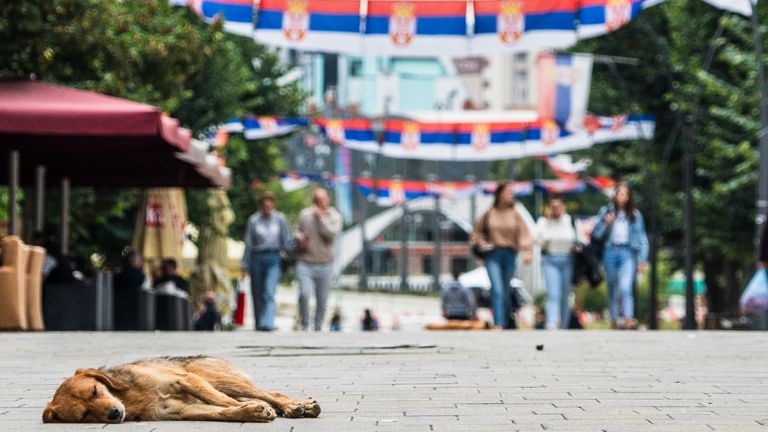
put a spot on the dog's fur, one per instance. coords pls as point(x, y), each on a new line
point(169, 388)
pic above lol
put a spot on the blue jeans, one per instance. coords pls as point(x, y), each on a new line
point(620, 267)
point(265, 274)
point(558, 274)
point(500, 264)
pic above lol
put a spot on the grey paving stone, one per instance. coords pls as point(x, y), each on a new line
point(494, 381)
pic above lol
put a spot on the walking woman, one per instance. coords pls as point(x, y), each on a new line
point(500, 234)
point(556, 235)
point(621, 229)
point(266, 234)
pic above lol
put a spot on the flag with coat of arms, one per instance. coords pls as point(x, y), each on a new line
point(563, 88)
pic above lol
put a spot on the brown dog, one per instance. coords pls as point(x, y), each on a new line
point(169, 388)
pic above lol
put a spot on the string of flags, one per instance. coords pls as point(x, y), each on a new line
point(456, 141)
point(423, 28)
point(394, 191)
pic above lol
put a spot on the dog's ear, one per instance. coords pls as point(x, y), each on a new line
point(49, 415)
point(112, 383)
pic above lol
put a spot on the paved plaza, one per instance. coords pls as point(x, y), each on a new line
point(420, 381)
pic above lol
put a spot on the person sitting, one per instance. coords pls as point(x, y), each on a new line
point(209, 315)
point(370, 323)
point(131, 276)
point(458, 302)
point(168, 273)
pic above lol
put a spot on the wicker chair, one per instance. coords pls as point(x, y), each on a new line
point(13, 284)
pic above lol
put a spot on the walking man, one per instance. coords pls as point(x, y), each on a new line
point(316, 234)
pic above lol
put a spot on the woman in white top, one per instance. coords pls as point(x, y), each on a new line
point(556, 235)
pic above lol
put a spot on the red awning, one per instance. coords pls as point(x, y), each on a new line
point(93, 139)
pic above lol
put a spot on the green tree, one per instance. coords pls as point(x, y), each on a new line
point(717, 104)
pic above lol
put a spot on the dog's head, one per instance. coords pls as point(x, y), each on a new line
point(86, 397)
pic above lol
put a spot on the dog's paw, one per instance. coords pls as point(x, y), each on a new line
point(258, 411)
point(294, 410)
point(311, 408)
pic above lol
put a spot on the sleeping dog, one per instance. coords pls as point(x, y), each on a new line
point(169, 388)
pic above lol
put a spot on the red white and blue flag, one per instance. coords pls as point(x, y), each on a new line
point(356, 134)
point(564, 167)
point(563, 88)
point(237, 15)
point(263, 127)
point(522, 25)
point(454, 141)
point(547, 137)
point(255, 128)
point(598, 17)
point(464, 141)
point(415, 28)
point(310, 25)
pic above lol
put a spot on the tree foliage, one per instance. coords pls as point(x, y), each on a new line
point(716, 102)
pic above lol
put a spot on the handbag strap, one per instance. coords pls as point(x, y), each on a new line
point(486, 232)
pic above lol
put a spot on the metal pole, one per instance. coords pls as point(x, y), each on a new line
point(473, 199)
point(653, 322)
point(404, 248)
point(13, 192)
point(762, 183)
point(363, 280)
point(65, 215)
point(436, 258)
point(538, 193)
point(690, 311)
point(39, 197)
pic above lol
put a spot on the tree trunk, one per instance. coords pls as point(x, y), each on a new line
point(716, 291)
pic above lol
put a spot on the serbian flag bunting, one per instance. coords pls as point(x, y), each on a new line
point(416, 28)
point(564, 167)
point(522, 25)
point(623, 127)
point(233, 125)
point(598, 17)
point(237, 15)
point(310, 25)
point(548, 137)
point(356, 134)
point(256, 128)
point(392, 192)
point(561, 186)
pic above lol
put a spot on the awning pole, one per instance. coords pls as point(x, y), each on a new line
point(65, 215)
point(39, 197)
point(13, 190)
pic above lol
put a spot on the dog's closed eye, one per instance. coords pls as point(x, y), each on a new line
point(95, 392)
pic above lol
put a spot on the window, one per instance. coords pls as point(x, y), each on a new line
point(356, 67)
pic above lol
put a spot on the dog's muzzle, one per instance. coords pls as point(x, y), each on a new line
point(115, 415)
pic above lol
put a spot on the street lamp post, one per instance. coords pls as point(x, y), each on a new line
point(363, 279)
point(404, 220)
point(762, 183)
point(436, 256)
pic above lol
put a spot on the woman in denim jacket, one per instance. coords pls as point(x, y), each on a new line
point(621, 229)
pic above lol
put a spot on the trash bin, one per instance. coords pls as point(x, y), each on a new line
point(134, 309)
point(759, 319)
point(79, 305)
point(173, 308)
